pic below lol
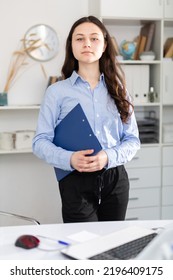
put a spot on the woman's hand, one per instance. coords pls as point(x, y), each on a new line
point(82, 161)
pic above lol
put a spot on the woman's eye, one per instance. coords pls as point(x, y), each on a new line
point(91, 39)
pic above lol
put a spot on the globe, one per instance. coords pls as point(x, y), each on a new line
point(127, 49)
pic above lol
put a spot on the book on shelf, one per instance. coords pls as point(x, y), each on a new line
point(116, 47)
point(137, 40)
point(168, 47)
point(145, 39)
point(148, 31)
point(140, 47)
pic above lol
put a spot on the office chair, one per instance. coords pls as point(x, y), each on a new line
point(17, 216)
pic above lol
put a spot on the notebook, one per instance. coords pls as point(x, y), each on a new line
point(123, 244)
point(74, 133)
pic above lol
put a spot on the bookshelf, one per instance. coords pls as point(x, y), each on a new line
point(127, 19)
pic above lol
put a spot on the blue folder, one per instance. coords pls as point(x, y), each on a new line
point(74, 133)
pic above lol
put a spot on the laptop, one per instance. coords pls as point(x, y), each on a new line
point(161, 248)
point(121, 245)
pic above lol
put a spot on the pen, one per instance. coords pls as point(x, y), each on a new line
point(63, 242)
point(57, 240)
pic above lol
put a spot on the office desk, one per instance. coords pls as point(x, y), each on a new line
point(8, 236)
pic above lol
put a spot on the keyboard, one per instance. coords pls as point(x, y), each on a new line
point(126, 251)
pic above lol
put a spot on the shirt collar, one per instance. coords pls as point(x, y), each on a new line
point(74, 76)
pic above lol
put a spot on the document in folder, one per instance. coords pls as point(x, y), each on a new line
point(74, 133)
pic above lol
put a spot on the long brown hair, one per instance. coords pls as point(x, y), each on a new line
point(109, 66)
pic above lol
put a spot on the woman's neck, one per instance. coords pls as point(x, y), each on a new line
point(89, 74)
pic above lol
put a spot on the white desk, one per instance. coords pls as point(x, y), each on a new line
point(8, 236)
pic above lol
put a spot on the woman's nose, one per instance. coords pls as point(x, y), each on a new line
point(87, 43)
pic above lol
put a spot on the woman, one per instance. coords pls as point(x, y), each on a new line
point(98, 187)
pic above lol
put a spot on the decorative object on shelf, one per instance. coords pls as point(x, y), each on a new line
point(3, 99)
point(23, 139)
point(127, 49)
point(18, 63)
point(41, 42)
point(16, 140)
point(147, 55)
point(152, 95)
point(6, 140)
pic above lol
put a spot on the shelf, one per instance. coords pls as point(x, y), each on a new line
point(9, 152)
point(167, 105)
point(168, 23)
point(139, 61)
point(17, 107)
point(167, 144)
point(126, 21)
point(143, 145)
point(147, 104)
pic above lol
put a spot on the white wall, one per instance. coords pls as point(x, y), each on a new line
point(28, 185)
point(16, 17)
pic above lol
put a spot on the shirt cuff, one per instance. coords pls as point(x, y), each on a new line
point(64, 161)
point(112, 158)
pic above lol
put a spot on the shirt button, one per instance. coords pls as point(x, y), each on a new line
point(98, 115)
point(97, 132)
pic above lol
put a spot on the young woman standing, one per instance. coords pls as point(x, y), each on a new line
point(98, 187)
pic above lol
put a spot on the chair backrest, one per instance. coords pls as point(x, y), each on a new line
point(11, 219)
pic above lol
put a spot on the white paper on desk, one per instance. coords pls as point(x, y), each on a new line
point(82, 236)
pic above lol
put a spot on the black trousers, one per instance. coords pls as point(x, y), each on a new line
point(96, 196)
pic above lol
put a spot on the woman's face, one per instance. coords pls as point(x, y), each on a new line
point(88, 43)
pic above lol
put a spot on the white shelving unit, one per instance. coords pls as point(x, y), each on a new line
point(150, 172)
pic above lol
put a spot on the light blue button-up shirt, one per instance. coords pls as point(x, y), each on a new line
point(119, 140)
